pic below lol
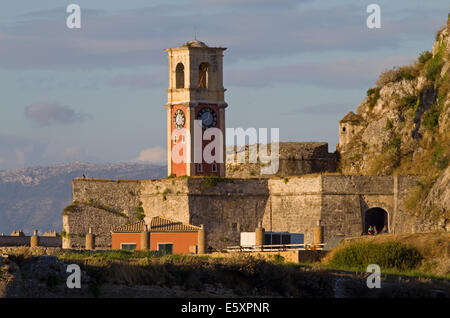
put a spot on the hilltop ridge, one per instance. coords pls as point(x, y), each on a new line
point(34, 197)
point(402, 127)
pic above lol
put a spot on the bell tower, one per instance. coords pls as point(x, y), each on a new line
point(195, 92)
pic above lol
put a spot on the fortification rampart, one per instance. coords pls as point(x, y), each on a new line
point(295, 158)
point(229, 206)
point(45, 241)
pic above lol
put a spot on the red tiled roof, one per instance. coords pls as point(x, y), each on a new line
point(158, 224)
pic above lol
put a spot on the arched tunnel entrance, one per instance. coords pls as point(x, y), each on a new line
point(376, 217)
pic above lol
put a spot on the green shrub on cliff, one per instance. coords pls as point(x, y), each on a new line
point(430, 119)
point(387, 255)
point(425, 57)
point(409, 102)
point(374, 95)
point(434, 65)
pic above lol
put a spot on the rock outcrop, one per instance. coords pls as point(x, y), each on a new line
point(402, 127)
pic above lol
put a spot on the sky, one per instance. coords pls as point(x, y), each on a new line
point(97, 93)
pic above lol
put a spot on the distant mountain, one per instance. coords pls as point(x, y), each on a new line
point(34, 197)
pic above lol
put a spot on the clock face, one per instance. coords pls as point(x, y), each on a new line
point(208, 117)
point(179, 119)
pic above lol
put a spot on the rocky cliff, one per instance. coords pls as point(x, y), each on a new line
point(402, 127)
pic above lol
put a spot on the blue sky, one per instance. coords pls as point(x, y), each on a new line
point(97, 93)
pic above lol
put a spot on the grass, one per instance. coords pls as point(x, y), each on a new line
point(388, 255)
point(417, 255)
point(430, 119)
point(434, 65)
point(108, 255)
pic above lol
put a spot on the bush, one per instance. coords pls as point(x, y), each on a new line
point(374, 94)
point(396, 74)
point(434, 65)
point(388, 255)
point(388, 76)
point(407, 72)
point(394, 145)
point(409, 101)
point(425, 57)
point(439, 158)
point(430, 119)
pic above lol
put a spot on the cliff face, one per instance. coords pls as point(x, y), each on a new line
point(402, 127)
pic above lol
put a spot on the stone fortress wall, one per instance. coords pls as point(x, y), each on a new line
point(46, 241)
point(229, 206)
point(100, 204)
point(295, 158)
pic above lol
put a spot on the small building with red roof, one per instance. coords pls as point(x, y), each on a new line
point(162, 234)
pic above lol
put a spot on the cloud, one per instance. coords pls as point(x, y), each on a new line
point(138, 37)
point(45, 114)
point(339, 73)
point(152, 155)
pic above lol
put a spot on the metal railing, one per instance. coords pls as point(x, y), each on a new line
point(275, 247)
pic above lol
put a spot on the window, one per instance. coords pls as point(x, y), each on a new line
point(276, 240)
point(127, 246)
point(175, 138)
point(343, 129)
point(199, 167)
point(203, 75)
point(267, 239)
point(285, 239)
point(234, 226)
point(179, 76)
point(182, 138)
point(214, 167)
point(165, 248)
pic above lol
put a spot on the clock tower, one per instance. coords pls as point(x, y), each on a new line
point(195, 103)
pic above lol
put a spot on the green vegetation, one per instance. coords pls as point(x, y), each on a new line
point(71, 208)
point(388, 255)
point(397, 74)
point(140, 209)
point(409, 102)
point(430, 119)
point(93, 204)
point(172, 176)
point(64, 234)
point(434, 65)
point(374, 95)
point(425, 57)
point(211, 181)
point(107, 255)
point(388, 126)
point(439, 159)
point(286, 180)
